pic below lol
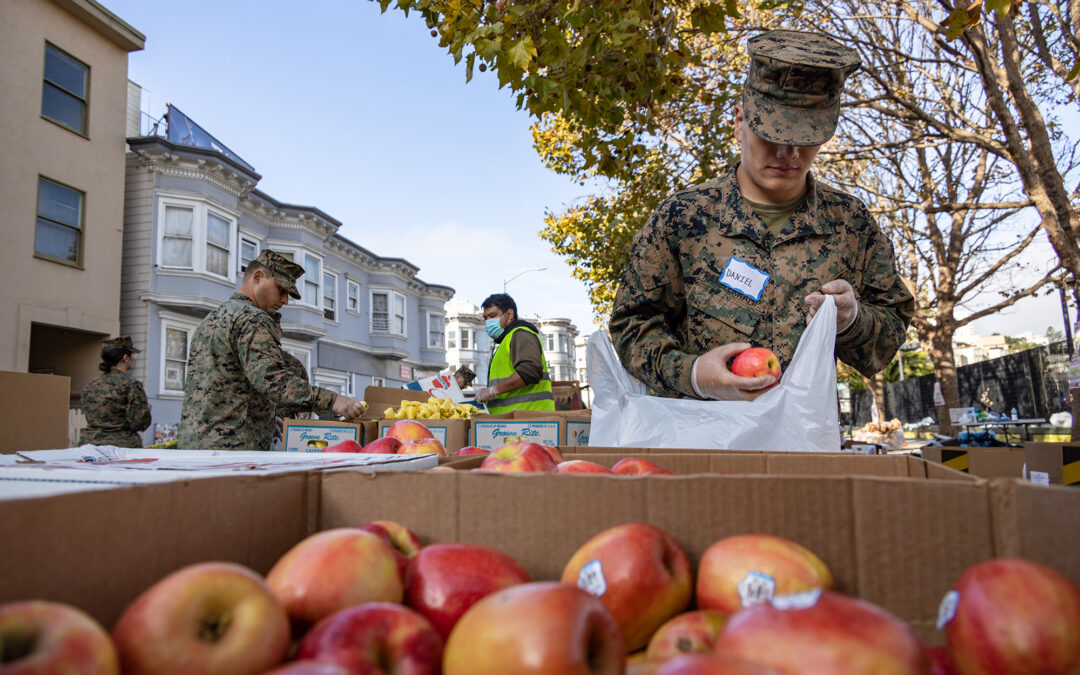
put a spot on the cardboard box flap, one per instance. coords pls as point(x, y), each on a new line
point(914, 539)
point(379, 399)
point(99, 550)
point(1037, 522)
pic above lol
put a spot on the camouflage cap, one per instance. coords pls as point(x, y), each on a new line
point(122, 342)
point(284, 271)
point(792, 90)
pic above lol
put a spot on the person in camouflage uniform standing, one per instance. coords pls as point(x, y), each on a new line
point(114, 403)
point(236, 373)
point(748, 257)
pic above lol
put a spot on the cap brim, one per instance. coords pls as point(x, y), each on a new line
point(293, 293)
point(784, 125)
point(132, 349)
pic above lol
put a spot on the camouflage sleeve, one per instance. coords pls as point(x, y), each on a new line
point(285, 411)
point(885, 308)
point(650, 300)
point(138, 410)
point(259, 350)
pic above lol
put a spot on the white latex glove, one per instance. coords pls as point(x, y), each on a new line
point(847, 307)
point(484, 395)
point(711, 378)
point(348, 407)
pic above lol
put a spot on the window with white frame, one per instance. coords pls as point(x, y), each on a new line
point(176, 333)
point(59, 228)
point(311, 280)
point(451, 339)
point(388, 313)
point(352, 293)
point(550, 341)
point(195, 236)
point(466, 338)
point(330, 296)
point(435, 330)
point(377, 382)
point(248, 249)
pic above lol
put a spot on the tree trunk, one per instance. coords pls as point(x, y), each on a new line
point(941, 354)
point(876, 385)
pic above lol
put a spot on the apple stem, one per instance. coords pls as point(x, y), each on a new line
point(214, 628)
point(14, 647)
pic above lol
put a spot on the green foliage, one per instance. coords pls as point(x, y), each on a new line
point(632, 98)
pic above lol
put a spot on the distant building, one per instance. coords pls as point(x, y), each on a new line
point(62, 130)
point(581, 367)
point(193, 220)
point(467, 343)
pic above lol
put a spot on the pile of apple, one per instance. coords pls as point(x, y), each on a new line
point(404, 437)
point(371, 599)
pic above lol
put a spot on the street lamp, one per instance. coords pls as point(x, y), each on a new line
point(534, 269)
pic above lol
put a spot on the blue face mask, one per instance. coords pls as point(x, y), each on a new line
point(493, 328)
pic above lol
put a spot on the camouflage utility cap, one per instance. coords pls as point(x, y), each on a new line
point(122, 342)
point(792, 91)
point(284, 271)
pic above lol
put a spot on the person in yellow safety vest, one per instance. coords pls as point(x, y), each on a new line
point(518, 375)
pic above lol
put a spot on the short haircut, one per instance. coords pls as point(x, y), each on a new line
point(501, 300)
point(252, 266)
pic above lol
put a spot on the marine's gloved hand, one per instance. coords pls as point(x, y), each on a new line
point(348, 407)
point(484, 395)
point(847, 306)
point(711, 378)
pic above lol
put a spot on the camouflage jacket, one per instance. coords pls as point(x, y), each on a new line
point(670, 305)
point(116, 410)
point(236, 378)
point(292, 363)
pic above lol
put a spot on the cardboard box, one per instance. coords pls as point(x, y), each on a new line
point(736, 462)
point(453, 433)
point(316, 435)
point(983, 462)
point(33, 411)
point(1053, 463)
point(567, 395)
point(897, 542)
point(492, 431)
point(378, 399)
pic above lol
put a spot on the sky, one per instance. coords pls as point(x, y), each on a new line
point(363, 116)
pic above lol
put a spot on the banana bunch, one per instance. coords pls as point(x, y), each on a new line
point(433, 409)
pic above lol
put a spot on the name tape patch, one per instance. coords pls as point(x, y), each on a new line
point(742, 277)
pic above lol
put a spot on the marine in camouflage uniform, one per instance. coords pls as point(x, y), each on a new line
point(238, 376)
point(115, 404)
point(682, 293)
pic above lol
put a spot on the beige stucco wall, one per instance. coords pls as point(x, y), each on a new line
point(31, 289)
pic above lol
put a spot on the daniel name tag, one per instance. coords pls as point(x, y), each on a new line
point(742, 277)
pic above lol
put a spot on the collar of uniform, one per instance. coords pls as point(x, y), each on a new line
point(807, 218)
point(744, 222)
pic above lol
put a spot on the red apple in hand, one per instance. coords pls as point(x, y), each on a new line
point(445, 580)
point(37, 636)
point(581, 466)
point(332, 570)
point(536, 629)
point(748, 569)
point(640, 574)
point(401, 540)
point(212, 617)
point(755, 362)
point(1010, 615)
point(423, 446)
point(376, 637)
point(686, 633)
point(387, 445)
point(519, 457)
point(345, 446)
point(820, 633)
point(636, 466)
point(408, 430)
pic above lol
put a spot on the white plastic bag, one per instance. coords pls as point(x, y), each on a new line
point(798, 414)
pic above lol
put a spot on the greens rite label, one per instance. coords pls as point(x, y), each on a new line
point(300, 438)
point(494, 435)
